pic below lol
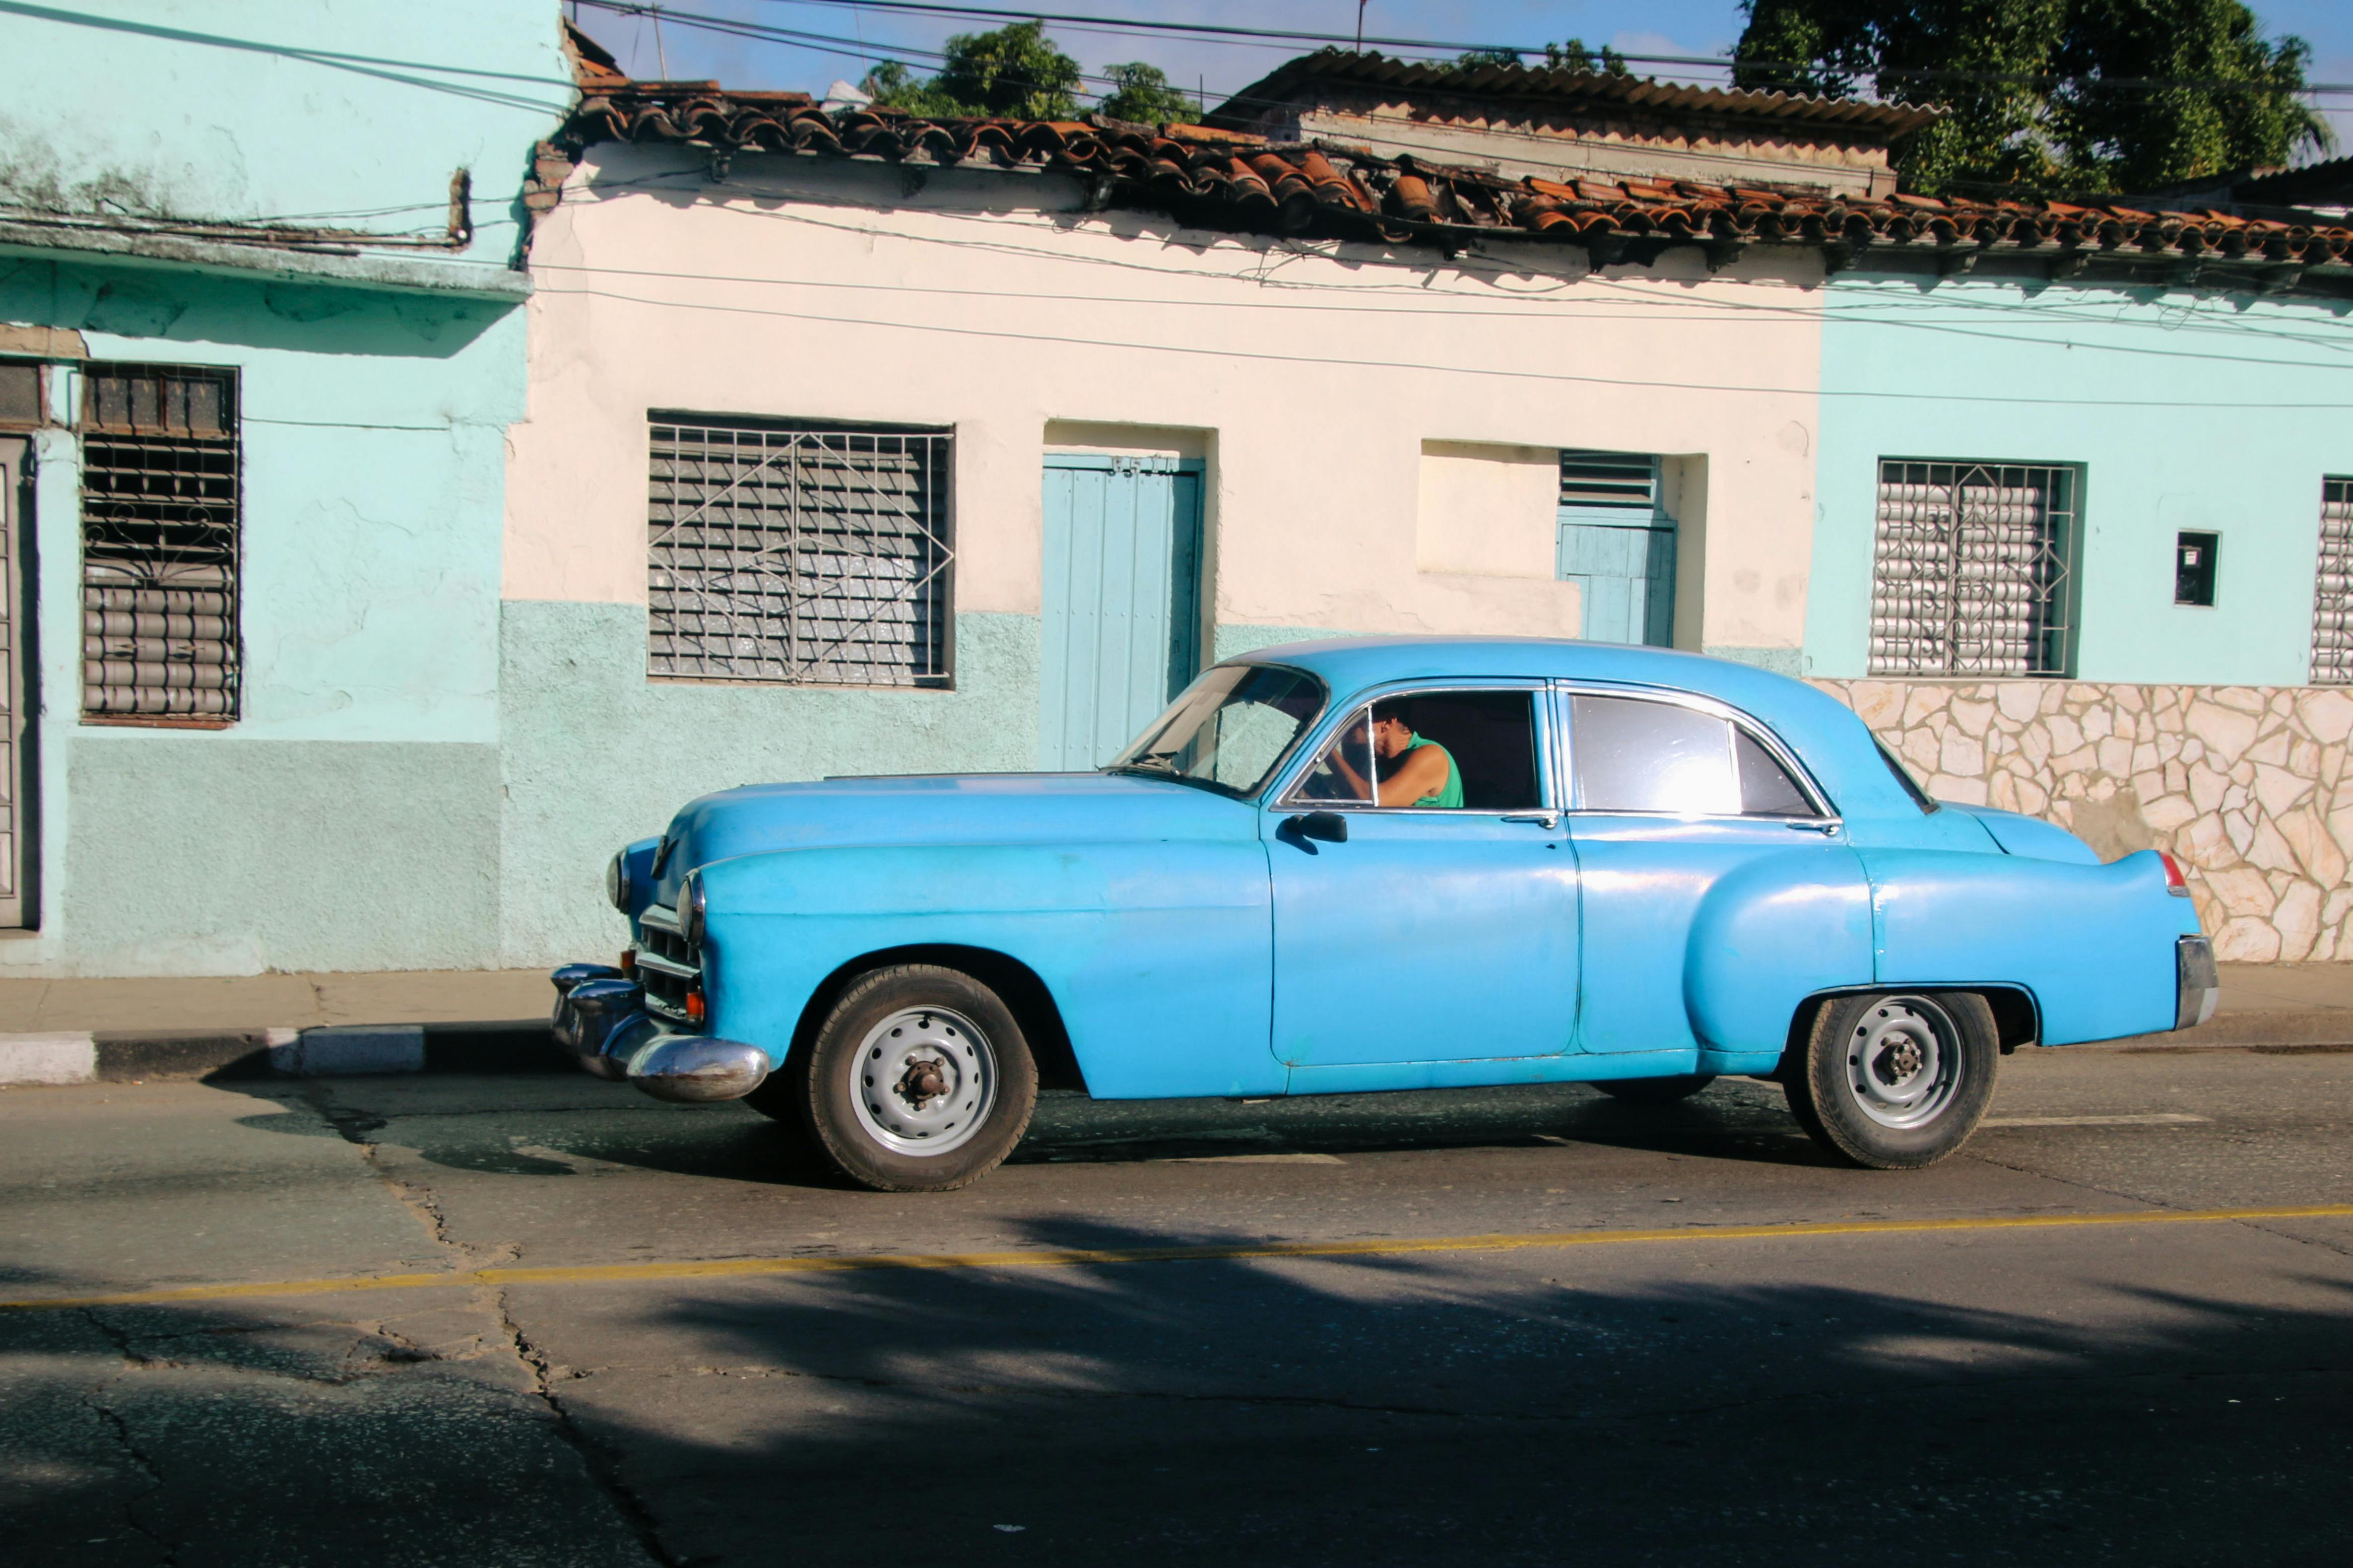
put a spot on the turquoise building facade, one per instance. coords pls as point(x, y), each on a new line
point(305, 217)
point(2177, 411)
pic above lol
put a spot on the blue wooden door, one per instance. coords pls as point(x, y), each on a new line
point(1627, 574)
point(1122, 600)
point(1618, 545)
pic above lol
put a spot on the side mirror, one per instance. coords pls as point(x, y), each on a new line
point(1328, 826)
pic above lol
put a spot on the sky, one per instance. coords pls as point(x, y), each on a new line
point(1679, 27)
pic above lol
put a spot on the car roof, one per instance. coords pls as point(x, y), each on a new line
point(1827, 737)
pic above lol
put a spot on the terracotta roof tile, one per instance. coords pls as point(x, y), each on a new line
point(1218, 179)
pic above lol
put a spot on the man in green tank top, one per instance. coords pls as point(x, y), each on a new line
point(1413, 771)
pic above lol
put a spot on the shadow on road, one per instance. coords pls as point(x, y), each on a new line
point(1597, 1406)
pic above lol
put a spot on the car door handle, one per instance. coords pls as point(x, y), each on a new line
point(1814, 824)
point(1546, 820)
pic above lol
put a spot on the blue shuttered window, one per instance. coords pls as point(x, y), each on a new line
point(1122, 600)
point(1618, 545)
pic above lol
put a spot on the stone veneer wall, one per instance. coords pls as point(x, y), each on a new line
point(2245, 785)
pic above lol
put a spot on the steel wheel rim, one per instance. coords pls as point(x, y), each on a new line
point(1902, 1067)
point(924, 1081)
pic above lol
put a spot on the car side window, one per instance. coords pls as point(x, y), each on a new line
point(1450, 751)
point(1766, 787)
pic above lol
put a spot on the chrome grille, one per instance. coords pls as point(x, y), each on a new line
point(667, 966)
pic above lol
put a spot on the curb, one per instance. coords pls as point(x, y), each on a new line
point(122, 1056)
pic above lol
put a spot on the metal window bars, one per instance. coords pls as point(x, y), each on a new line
point(2332, 592)
point(799, 552)
point(1972, 568)
point(160, 524)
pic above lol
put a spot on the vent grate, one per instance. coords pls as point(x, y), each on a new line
point(1612, 480)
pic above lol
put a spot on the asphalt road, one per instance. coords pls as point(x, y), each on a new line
point(1218, 1336)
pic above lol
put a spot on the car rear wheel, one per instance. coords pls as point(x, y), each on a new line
point(920, 1080)
point(1656, 1091)
point(1896, 1080)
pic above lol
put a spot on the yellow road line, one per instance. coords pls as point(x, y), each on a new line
point(1081, 1258)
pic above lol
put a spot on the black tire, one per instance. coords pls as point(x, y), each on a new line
point(1896, 1080)
point(952, 1047)
point(1656, 1091)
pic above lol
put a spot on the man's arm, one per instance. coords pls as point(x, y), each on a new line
point(1422, 773)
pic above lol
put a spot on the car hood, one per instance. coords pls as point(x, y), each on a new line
point(943, 808)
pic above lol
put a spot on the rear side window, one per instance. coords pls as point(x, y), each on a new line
point(1766, 787)
point(1633, 753)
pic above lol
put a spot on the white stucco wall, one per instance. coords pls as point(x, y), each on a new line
point(1312, 375)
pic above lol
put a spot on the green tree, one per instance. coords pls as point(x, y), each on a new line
point(1145, 96)
point(2094, 97)
point(1571, 56)
point(1012, 73)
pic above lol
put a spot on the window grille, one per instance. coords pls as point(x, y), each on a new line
point(2332, 595)
point(1972, 569)
point(159, 516)
point(799, 552)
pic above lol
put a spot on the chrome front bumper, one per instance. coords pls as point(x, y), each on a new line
point(601, 1019)
point(2199, 986)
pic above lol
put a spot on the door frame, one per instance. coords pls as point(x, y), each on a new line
point(20, 648)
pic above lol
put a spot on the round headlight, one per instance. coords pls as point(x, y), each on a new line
point(616, 881)
point(689, 908)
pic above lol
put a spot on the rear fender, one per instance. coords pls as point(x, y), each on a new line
point(1778, 929)
point(2093, 945)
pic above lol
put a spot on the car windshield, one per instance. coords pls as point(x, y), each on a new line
point(1228, 728)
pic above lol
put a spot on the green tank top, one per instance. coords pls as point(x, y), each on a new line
point(1449, 794)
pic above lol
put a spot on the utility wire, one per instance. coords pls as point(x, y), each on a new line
point(1327, 363)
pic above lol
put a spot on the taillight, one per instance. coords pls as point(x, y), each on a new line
point(698, 1010)
point(2175, 882)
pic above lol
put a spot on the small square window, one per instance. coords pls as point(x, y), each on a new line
point(2194, 568)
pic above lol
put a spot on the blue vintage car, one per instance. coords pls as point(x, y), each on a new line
point(1381, 863)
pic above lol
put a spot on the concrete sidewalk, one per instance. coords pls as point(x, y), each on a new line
point(76, 1030)
point(254, 1002)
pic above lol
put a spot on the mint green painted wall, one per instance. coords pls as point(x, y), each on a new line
point(2185, 414)
point(344, 113)
point(596, 755)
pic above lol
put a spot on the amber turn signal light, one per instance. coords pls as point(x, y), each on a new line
point(628, 964)
point(698, 1011)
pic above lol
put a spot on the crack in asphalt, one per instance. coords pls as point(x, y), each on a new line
point(602, 1466)
point(92, 1399)
point(600, 1460)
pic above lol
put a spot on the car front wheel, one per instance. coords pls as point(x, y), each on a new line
point(1896, 1080)
point(920, 1080)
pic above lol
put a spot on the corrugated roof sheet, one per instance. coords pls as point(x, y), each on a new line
point(1228, 180)
point(1538, 85)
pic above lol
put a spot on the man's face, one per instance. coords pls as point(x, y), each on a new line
point(1391, 736)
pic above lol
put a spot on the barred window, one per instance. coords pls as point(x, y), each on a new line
point(159, 516)
point(1972, 569)
point(2332, 595)
point(799, 553)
